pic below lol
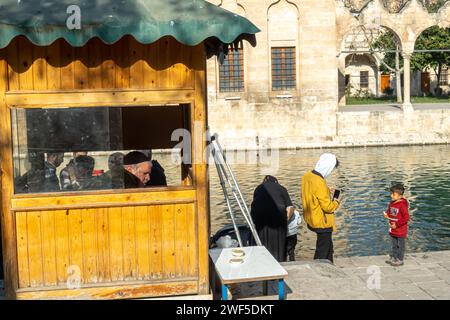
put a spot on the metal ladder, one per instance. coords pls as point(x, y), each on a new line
point(228, 181)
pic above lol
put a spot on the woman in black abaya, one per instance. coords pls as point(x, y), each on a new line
point(268, 211)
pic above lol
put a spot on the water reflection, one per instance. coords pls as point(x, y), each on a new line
point(364, 176)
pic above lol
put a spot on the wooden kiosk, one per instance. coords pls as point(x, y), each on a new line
point(123, 81)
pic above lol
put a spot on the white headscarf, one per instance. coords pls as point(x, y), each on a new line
point(326, 164)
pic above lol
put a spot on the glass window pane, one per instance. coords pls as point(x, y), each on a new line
point(231, 72)
point(97, 148)
point(283, 68)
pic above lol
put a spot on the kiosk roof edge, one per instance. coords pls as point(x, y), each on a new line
point(190, 22)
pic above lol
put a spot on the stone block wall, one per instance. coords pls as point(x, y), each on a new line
point(306, 116)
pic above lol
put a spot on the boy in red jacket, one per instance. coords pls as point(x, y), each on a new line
point(398, 216)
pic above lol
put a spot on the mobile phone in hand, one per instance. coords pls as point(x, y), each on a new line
point(337, 194)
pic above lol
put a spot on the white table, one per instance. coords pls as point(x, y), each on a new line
point(258, 265)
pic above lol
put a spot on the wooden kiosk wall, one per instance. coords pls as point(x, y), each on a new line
point(126, 244)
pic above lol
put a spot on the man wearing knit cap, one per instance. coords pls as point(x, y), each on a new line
point(139, 166)
point(319, 205)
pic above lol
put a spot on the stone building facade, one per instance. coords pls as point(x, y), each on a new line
point(286, 92)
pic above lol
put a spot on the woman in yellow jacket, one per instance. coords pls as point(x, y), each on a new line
point(318, 205)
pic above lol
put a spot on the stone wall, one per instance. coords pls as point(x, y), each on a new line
point(249, 119)
point(361, 128)
point(392, 128)
point(307, 116)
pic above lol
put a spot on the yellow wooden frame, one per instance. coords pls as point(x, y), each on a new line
point(197, 194)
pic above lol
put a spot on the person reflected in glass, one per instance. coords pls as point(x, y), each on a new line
point(33, 180)
point(269, 211)
point(80, 174)
point(138, 168)
point(157, 176)
point(64, 177)
point(51, 182)
point(114, 177)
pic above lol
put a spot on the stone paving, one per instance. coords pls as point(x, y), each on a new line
point(425, 276)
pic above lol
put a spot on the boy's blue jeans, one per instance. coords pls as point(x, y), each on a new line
point(398, 248)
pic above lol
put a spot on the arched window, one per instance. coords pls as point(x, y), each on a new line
point(283, 42)
point(231, 71)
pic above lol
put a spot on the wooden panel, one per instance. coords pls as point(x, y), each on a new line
point(75, 227)
point(103, 246)
point(96, 99)
point(62, 245)
point(122, 58)
point(168, 241)
point(89, 249)
point(181, 241)
point(425, 82)
point(187, 73)
point(385, 82)
point(67, 66)
point(53, 62)
point(25, 66)
point(80, 70)
point(99, 199)
point(150, 58)
point(201, 168)
point(95, 64)
point(116, 244)
point(108, 67)
point(49, 248)
point(156, 233)
point(137, 62)
point(123, 65)
point(192, 241)
point(129, 243)
point(163, 64)
point(12, 52)
point(143, 239)
point(35, 255)
point(22, 250)
point(106, 245)
point(129, 291)
point(176, 74)
point(39, 69)
point(9, 240)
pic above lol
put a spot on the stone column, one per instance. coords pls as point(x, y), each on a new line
point(341, 80)
point(407, 106)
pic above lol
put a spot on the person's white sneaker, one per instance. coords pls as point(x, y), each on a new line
point(391, 260)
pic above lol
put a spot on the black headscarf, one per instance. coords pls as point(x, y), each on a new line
point(270, 201)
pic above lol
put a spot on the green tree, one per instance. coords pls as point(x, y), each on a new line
point(433, 5)
point(386, 48)
point(433, 38)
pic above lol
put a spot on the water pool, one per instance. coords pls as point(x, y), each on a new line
point(364, 176)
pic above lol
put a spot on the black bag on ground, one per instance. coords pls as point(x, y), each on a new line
point(228, 230)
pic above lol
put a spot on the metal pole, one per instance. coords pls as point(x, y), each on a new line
point(225, 193)
point(232, 175)
point(235, 186)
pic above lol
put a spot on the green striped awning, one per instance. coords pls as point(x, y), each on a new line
point(189, 21)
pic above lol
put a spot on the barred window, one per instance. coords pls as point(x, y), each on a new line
point(443, 80)
point(364, 79)
point(283, 68)
point(231, 72)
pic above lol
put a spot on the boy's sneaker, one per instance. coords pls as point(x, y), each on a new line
point(397, 263)
point(391, 260)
